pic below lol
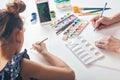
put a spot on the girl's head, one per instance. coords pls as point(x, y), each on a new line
point(11, 25)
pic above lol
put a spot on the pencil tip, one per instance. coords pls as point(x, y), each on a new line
point(106, 2)
point(94, 30)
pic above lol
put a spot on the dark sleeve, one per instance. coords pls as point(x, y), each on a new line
point(13, 67)
point(25, 55)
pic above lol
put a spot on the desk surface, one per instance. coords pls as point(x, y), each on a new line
point(36, 32)
point(57, 46)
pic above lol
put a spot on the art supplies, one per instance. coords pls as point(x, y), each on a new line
point(77, 9)
point(70, 26)
point(61, 24)
point(74, 29)
point(40, 42)
point(90, 12)
point(34, 17)
point(83, 50)
point(52, 14)
point(87, 14)
point(63, 4)
point(43, 40)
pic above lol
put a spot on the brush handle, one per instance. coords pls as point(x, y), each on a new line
point(98, 10)
point(102, 13)
point(94, 8)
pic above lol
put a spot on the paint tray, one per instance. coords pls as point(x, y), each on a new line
point(74, 29)
point(83, 50)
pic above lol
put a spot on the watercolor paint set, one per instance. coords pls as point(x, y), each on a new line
point(74, 29)
point(69, 25)
point(61, 24)
point(83, 50)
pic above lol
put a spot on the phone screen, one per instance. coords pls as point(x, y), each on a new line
point(43, 11)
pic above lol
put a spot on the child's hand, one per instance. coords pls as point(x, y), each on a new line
point(40, 47)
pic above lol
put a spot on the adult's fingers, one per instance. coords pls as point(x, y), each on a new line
point(102, 46)
point(100, 42)
point(93, 20)
point(98, 22)
point(100, 27)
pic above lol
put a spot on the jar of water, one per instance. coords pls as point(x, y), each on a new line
point(63, 4)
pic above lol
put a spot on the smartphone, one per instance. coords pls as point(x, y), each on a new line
point(43, 11)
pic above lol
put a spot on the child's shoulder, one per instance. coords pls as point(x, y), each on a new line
point(13, 66)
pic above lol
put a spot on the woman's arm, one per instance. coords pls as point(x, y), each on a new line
point(116, 18)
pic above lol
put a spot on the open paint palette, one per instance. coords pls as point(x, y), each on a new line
point(83, 50)
point(74, 29)
point(70, 26)
point(61, 24)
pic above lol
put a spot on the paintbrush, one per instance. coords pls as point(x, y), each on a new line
point(102, 13)
point(76, 9)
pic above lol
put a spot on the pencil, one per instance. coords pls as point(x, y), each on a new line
point(43, 40)
point(102, 13)
point(40, 42)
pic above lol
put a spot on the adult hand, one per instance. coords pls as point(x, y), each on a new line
point(101, 22)
point(110, 43)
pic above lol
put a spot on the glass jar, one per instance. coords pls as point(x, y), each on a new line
point(63, 4)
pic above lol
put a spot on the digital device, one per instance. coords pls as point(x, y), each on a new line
point(43, 11)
